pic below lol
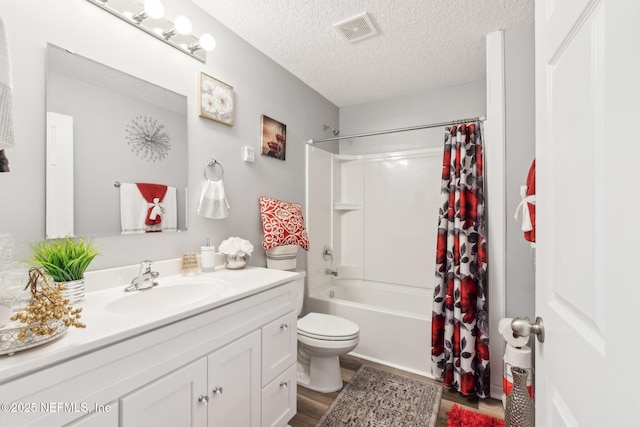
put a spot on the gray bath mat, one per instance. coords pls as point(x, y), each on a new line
point(382, 399)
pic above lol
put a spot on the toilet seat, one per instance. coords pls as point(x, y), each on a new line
point(326, 327)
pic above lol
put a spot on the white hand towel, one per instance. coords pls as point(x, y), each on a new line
point(170, 215)
point(6, 92)
point(213, 200)
point(133, 209)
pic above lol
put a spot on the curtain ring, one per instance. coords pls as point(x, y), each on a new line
point(212, 164)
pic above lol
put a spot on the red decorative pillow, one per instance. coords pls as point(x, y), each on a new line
point(282, 224)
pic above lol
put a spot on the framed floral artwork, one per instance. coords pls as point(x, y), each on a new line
point(274, 138)
point(216, 100)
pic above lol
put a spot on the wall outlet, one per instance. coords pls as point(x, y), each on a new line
point(248, 154)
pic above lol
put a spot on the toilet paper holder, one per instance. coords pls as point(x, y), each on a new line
point(523, 327)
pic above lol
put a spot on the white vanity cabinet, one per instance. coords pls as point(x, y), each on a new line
point(232, 365)
point(172, 400)
point(217, 390)
point(234, 383)
point(279, 376)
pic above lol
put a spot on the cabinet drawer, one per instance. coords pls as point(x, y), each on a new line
point(279, 346)
point(279, 399)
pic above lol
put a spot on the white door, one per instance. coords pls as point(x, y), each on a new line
point(588, 176)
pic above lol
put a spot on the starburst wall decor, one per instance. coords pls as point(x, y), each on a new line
point(147, 139)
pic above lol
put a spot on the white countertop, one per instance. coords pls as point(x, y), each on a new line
point(105, 327)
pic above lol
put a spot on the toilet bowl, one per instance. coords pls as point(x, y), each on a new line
point(321, 339)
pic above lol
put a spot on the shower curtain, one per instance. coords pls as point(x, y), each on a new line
point(460, 327)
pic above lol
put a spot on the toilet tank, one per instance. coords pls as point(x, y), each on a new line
point(300, 286)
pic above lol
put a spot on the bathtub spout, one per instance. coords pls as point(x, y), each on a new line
point(331, 271)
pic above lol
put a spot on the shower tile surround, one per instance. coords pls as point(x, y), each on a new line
point(381, 238)
point(140, 348)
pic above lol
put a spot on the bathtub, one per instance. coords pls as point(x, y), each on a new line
point(394, 320)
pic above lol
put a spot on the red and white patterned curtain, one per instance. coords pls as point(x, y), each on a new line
point(460, 321)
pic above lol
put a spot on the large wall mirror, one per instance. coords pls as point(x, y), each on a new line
point(116, 151)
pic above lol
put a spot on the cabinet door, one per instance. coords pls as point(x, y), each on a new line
point(279, 346)
point(173, 400)
point(234, 383)
point(279, 399)
point(102, 416)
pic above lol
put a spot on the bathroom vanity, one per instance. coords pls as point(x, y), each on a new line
point(214, 349)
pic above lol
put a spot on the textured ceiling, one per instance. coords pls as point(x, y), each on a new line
point(421, 45)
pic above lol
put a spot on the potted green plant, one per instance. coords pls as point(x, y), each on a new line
point(65, 261)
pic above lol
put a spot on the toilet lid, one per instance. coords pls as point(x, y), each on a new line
point(320, 325)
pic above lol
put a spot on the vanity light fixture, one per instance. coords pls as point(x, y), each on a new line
point(182, 26)
point(152, 9)
point(149, 18)
point(206, 42)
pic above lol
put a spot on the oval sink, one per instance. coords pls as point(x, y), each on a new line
point(167, 295)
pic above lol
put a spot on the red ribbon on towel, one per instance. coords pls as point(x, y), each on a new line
point(150, 192)
point(530, 236)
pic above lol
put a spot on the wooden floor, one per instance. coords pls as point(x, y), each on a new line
point(311, 404)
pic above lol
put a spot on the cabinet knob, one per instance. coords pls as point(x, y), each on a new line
point(284, 326)
point(217, 390)
point(203, 399)
point(284, 384)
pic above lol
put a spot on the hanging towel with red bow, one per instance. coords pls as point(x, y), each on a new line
point(153, 194)
point(527, 207)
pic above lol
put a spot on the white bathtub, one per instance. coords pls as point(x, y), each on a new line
point(394, 320)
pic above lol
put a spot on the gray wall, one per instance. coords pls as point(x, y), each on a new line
point(520, 143)
point(418, 108)
point(260, 85)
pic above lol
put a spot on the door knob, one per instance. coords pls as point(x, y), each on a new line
point(522, 327)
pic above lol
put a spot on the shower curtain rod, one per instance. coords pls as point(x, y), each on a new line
point(382, 132)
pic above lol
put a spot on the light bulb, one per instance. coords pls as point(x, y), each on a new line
point(207, 42)
point(154, 9)
point(183, 25)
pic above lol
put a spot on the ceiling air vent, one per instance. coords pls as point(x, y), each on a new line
point(357, 28)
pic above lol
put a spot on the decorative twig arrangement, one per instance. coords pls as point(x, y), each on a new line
point(47, 308)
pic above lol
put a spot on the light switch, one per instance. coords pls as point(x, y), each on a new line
point(248, 154)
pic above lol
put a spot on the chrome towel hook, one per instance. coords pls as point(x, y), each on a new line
point(212, 164)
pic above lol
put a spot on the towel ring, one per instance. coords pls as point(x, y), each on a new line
point(212, 164)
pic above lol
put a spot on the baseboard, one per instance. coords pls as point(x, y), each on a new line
point(392, 365)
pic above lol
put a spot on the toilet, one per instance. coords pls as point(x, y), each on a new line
point(321, 339)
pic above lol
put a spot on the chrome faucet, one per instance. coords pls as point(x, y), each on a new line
point(331, 271)
point(145, 279)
